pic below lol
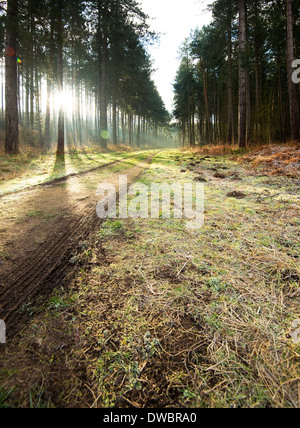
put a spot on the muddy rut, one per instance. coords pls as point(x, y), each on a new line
point(35, 270)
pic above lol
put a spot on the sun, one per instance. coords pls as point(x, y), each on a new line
point(64, 100)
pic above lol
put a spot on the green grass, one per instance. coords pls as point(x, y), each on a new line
point(26, 170)
point(163, 316)
point(4, 397)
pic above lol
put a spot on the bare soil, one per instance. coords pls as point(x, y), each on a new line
point(40, 230)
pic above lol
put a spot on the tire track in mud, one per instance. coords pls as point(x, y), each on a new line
point(49, 265)
point(40, 268)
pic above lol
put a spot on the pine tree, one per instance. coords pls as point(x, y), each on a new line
point(242, 74)
point(11, 79)
point(60, 77)
point(293, 102)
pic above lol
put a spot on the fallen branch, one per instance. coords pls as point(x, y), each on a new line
point(260, 198)
point(183, 267)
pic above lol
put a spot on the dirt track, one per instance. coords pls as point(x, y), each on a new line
point(42, 229)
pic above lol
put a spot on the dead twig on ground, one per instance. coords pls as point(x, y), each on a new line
point(184, 266)
point(262, 198)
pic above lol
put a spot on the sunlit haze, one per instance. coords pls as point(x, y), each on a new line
point(174, 19)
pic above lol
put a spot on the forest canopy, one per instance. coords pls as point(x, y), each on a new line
point(77, 70)
point(234, 83)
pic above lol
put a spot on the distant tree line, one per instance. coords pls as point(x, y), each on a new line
point(234, 83)
point(93, 50)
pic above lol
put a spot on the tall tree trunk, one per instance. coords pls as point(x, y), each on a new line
point(230, 120)
point(280, 106)
point(78, 114)
point(248, 107)
point(242, 74)
point(258, 124)
point(38, 85)
point(2, 89)
point(27, 74)
point(130, 119)
point(248, 90)
point(103, 58)
point(138, 131)
point(60, 78)
point(193, 137)
point(208, 133)
point(257, 96)
point(20, 98)
point(11, 80)
point(123, 126)
point(47, 136)
point(292, 87)
point(32, 91)
point(114, 118)
point(183, 133)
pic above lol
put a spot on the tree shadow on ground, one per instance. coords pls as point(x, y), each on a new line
point(59, 166)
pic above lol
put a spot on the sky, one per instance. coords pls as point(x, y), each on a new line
point(175, 19)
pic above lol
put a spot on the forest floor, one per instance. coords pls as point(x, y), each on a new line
point(30, 169)
point(145, 312)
